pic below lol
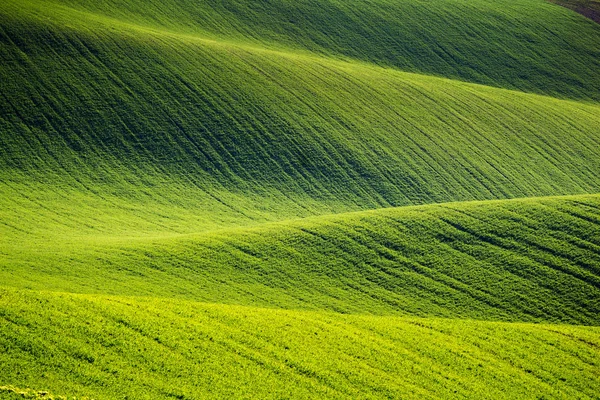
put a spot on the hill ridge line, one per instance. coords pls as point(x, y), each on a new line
point(315, 218)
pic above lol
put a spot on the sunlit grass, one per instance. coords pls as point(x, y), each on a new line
point(142, 348)
point(286, 199)
point(519, 260)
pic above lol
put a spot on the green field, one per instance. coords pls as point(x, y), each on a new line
point(518, 260)
point(134, 347)
point(307, 199)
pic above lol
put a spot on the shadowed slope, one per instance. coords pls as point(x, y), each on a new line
point(529, 45)
point(147, 131)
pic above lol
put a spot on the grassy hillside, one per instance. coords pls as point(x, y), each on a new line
point(114, 347)
point(149, 130)
point(519, 260)
point(236, 199)
point(529, 45)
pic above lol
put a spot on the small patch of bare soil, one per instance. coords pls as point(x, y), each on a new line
point(587, 8)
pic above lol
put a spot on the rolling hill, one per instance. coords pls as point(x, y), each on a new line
point(268, 199)
point(533, 260)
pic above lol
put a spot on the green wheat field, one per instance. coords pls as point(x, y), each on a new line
point(307, 199)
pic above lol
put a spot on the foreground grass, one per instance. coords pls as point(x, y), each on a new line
point(517, 260)
point(111, 347)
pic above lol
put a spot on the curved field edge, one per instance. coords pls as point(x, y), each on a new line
point(146, 131)
point(142, 348)
point(529, 45)
point(513, 260)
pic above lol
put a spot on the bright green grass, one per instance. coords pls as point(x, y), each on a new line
point(139, 348)
point(524, 44)
point(517, 260)
point(146, 130)
point(154, 154)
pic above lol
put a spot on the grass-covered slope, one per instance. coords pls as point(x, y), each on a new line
point(114, 347)
point(147, 130)
point(518, 260)
point(529, 45)
point(157, 154)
